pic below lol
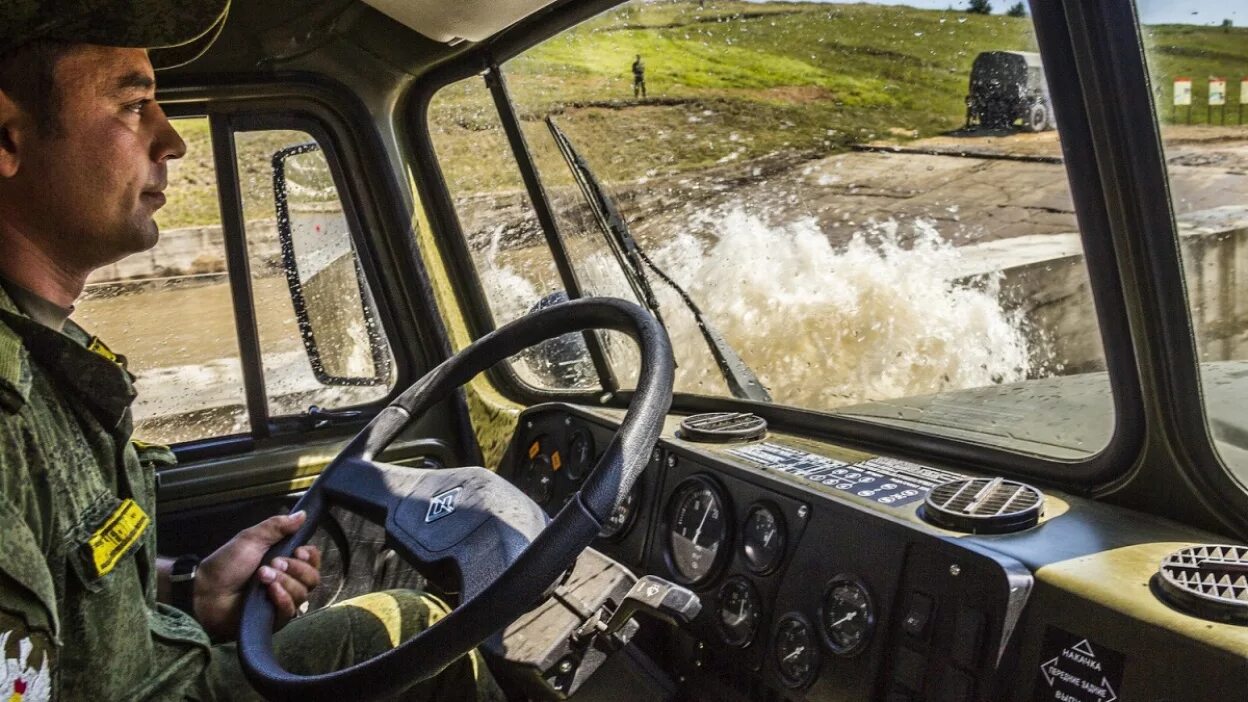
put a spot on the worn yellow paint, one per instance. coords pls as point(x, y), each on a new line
point(311, 464)
point(493, 416)
point(1118, 579)
point(117, 535)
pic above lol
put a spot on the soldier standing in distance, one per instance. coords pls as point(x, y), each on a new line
point(639, 78)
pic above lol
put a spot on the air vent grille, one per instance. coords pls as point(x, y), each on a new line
point(1210, 581)
point(983, 505)
point(723, 427)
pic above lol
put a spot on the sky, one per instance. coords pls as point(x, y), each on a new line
point(1151, 11)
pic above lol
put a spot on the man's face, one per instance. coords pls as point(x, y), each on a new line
point(90, 188)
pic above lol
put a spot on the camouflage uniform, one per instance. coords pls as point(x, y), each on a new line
point(66, 466)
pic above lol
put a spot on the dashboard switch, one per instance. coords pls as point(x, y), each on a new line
point(918, 613)
point(968, 638)
point(957, 686)
point(909, 669)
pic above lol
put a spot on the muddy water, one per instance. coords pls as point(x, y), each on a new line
point(180, 343)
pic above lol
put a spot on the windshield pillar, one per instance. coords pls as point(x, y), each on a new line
point(545, 216)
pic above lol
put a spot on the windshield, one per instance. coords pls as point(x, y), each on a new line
point(871, 230)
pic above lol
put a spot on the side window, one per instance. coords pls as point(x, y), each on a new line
point(319, 336)
point(1198, 60)
point(171, 311)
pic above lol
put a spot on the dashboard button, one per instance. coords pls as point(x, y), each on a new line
point(918, 613)
point(957, 686)
point(968, 637)
point(909, 669)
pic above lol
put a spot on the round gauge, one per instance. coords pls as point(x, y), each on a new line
point(797, 655)
point(621, 517)
point(848, 616)
point(762, 539)
point(580, 454)
point(698, 530)
point(538, 474)
point(740, 609)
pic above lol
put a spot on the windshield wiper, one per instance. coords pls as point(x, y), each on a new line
point(741, 380)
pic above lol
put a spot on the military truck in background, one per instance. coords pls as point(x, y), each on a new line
point(1008, 87)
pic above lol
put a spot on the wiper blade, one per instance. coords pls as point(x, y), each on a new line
point(620, 239)
point(741, 380)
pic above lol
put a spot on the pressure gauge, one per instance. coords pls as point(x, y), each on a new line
point(740, 610)
point(797, 654)
point(847, 616)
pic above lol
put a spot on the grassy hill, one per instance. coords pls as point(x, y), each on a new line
point(736, 81)
point(758, 79)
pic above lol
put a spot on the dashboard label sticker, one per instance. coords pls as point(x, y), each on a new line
point(886, 481)
point(1074, 669)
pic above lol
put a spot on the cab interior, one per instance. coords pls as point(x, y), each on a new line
point(849, 519)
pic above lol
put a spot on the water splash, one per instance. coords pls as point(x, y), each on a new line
point(881, 316)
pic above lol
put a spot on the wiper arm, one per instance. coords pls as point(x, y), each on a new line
point(741, 380)
point(620, 239)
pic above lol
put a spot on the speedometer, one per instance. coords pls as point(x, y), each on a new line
point(698, 530)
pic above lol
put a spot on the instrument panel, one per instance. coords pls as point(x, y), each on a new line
point(793, 592)
point(818, 576)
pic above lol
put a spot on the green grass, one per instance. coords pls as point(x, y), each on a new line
point(193, 182)
point(732, 82)
point(805, 78)
point(1197, 53)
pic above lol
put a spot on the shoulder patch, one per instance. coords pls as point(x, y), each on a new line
point(20, 679)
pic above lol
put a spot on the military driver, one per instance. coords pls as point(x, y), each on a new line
point(85, 603)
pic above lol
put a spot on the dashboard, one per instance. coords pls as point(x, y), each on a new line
point(828, 573)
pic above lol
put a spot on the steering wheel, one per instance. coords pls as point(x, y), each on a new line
point(505, 550)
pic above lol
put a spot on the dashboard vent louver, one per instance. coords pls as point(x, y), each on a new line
point(723, 427)
point(983, 506)
point(1209, 581)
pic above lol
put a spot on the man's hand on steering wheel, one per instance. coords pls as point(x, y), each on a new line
point(223, 577)
point(466, 522)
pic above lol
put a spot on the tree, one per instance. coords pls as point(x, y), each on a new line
point(1017, 10)
point(979, 7)
point(1227, 24)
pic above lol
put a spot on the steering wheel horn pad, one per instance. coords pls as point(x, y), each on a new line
point(466, 523)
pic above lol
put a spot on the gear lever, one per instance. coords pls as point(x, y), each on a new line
point(652, 595)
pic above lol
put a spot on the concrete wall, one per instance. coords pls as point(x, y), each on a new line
point(1044, 279)
point(191, 251)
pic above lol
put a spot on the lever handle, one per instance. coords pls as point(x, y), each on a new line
point(658, 598)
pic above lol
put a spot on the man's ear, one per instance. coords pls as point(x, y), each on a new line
point(13, 123)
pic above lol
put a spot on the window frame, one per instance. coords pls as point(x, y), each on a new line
point(1146, 231)
point(326, 114)
point(1103, 470)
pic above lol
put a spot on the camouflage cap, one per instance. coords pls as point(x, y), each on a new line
point(177, 31)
